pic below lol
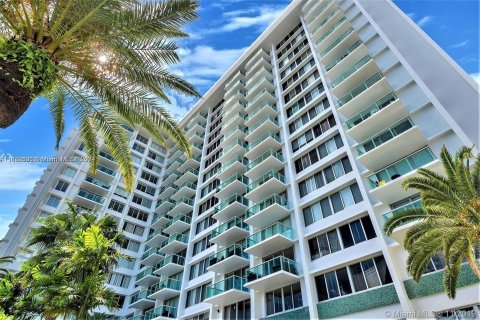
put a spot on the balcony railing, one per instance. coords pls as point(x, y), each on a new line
point(142, 294)
point(272, 174)
point(235, 177)
point(371, 110)
point(167, 283)
point(91, 196)
point(351, 71)
point(343, 55)
point(264, 156)
point(412, 205)
point(156, 233)
point(270, 267)
point(106, 155)
point(384, 136)
point(175, 237)
point(161, 311)
point(233, 282)
point(227, 164)
point(271, 134)
point(262, 121)
point(269, 201)
point(268, 232)
point(151, 252)
point(232, 145)
point(336, 42)
point(144, 273)
point(319, 12)
point(233, 250)
point(156, 217)
point(360, 88)
point(234, 198)
point(106, 170)
point(187, 184)
point(180, 217)
point(254, 99)
point(234, 222)
point(324, 21)
point(98, 182)
point(171, 259)
point(331, 30)
point(260, 108)
point(401, 167)
point(232, 131)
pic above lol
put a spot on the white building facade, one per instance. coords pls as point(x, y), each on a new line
point(300, 150)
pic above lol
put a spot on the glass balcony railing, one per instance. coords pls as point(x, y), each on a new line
point(263, 80)
point(257, 96)
point(384, 136)
point(171, 185)
point(343, 55)
point(260, 108)
point(127, 127)
point(267, 202)
point(106, 155)
point(175, 237)
point(263, 137)
point(258, 62)
point(91, 196)
point(142, 294)
point(401, 167)
point(235, 177)
point(239, 81)
point(351, 71)
point(272, 174)
point(360, 88)
point(270, 267)
point(262, 121)
point(320, 12)
point(161, 311)
point(236, 142)
point(234, 222)
point(264, 156)
point(234, 198)
point(106, 170)
point(160, 202)
point(233, 282)
point(171, 259)
point(262, 70)
point(240, 127)
point(371, 110)
point(412, 205)
point(167, 283)
point(187, 184)
point(261, 53)
point(180, 217)
point(324, 21)
point(144, 273)
point(268, 232)
point(336, 42)
point(235, 117)
point(184, 200)
point(233, 250)
point(229, 163)
point(98, 182)
point(156, 233)
point(198, 146)
point(331, 30)
point(151, 252)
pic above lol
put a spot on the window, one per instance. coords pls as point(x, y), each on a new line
point(332, 204)
point(307, 67)
point(213, 171)
point(211, 202)
point(156, 147)
point(69, 172)
point(153, 167)
point(61, 186)
point(303, 101)
point(325, 176)
point(147, 189)
point(142, 139)
point(131, 245)
point(343, 237)
point(437, 262)
point(314, 155)
point(288, 36)
point(199, 268)
point(204, 224)
point(312, 133)
point(202, 316)
point(201, 245)
point(122, 193)
point(120, 300)
point(213, 146)
point(119, 280)
point(152, 155)
point(53, 201)
point(196, 295)
point(213, 158)
point(126, 263)
point(137, 214)
point(138, 148)
point(209, 188)
point(283, 299)
point(149, 177)
point(364, 275)
point(302, 86)
point(133, 228)
point(136, 159)
point(147, 203)
point(116, 206)
point(238, 311)
point(308, 115)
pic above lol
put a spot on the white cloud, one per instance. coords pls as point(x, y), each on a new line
point(261, 18)
point(5, 140)
point(19, 176)
point(476, 77)
point(459, 44)
point(424, 21)
point(411, 15)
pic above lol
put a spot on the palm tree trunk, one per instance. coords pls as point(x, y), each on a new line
point(14, 98)
point(474, 266)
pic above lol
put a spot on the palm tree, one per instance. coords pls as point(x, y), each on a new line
point(4, 260)
point(106, 59)
point(449, 220)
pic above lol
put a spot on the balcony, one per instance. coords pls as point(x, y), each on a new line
point(183, 205)
point(180, 223)
point(264, 95)
point(353, 75)
point(163, 206)
point(155, 238)
point(106, 158)
point(192, 162)
point(268, 211)
point(151, 257)
point(278, 272)
point(173, 165)
point(234, 184)
point(172, 264)
point(228, 291)
point(89, 199)
point(400, 232)
point(339, 45)
point(165, 289)
point(171, 177)
point(335, 30)
point(390, 144)
point(363, 95)
point(228, 259)
point(146, 278)
point(162, 312)
point(195, 136)
point(269, 240)
point(232, 207)
point(313, 11)
point(96, 185)
point(237, 84)
point(140, 300)
point(270, 182)
point(238, 132)
point(266, 124)
point(233, 108)
point(346, 58)
point(386, 184)
point(268, 140)
point(234, 119)
point(237, 97)
point(270, 160)
point(167, 191)
point(174, 243)
point(186, 190)
point(265, 109)
point(236, 148)
point(105, 173)
point(239, 75)
point(264, 82)
point(329, 21)
point(373, 118)
point(196, 149)
point(188, 175)
point(263, 72)
point(159, 220)
point(260, 54)
point(234, 165)
point(229, 232)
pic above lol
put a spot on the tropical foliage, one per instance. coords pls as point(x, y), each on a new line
point(105, 59)
point(449, 220)
point(67, 275)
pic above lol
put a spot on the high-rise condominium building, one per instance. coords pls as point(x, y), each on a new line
point(300, 151)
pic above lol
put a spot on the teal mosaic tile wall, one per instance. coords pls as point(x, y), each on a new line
point(298, 314)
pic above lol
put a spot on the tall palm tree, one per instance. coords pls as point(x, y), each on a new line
point(105, 59)
point(4, 260)
point(449, 220)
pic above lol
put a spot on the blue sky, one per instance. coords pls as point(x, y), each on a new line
point(225, 29)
